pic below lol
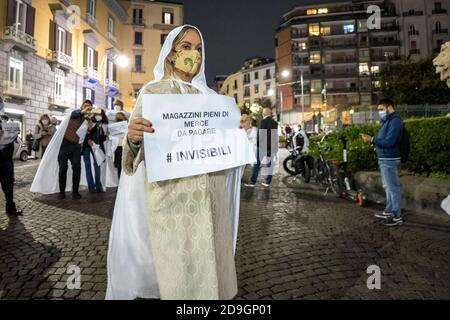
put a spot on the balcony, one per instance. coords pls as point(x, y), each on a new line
point(339, 60)
point(339, 45)
point(387, 28)
point(440, 31)
point(111, 37)
point(413, 33)
point(439, 11)
point(267, 77)
point(60, 60)
point(342, 90)
point(91, 75)
point(91, 19)
point(11, 89)
point(297, 35)
point(138, 21)
point(337, 32)
point(382, 58)
point(138, 69)
point(385, 43)
point(18, 38)
point(112, 87)
point(58, 102)
point(246, 80)
point(414, 51)
point(341, 74)
point(300, 62)
point(412, 13)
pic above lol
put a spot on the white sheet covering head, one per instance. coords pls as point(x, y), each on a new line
point(199, 81)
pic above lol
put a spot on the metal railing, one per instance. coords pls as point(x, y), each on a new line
point(15, 90)
point(440, 31)
point(20, 37)
point(112, 84)
point(138, 21)
point(412, 13)
point(382, 43)
point(439, 11)
point(111, 37)
point(61, 58)
point(91, 19)
point(138, 69)
point(90, 73)
point(413, 32)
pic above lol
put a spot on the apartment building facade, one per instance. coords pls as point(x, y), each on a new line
point(340, 54)
point(56, 53)
point(147, 26)
point(255, 80)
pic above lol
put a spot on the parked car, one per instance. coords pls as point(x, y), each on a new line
point(20, 150)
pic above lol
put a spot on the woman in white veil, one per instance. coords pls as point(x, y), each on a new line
point(174, 239)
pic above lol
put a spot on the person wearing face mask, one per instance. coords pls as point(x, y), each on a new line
point(43, 133)
point(183, 230)
point(98, 135)
point(388, 143)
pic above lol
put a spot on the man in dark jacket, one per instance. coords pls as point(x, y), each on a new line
point(7, 174)
point(387, 143)
point(267, 145)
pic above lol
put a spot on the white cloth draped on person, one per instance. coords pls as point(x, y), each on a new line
point(46, 179)
point(173, 239)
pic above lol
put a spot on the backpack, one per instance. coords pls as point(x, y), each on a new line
point(405, 145)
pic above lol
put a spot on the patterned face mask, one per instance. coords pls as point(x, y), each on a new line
point(188, 61)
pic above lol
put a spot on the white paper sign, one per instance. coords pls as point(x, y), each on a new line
point(10, 132)
point(118, 129)
point(194, 134)
point(82, 131)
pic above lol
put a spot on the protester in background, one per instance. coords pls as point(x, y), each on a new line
point(267, 146)
point(287, 130)
point(246, 123)
point(43, 133)
point(387, 143)
point(120, 116)
point(7, 173)
point(71, 150)
point(97, 135)
point(301, 140)
point(29, 140)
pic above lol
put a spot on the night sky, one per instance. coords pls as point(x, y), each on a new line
point(237, 29)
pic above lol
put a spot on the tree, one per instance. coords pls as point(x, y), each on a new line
point(410, 82)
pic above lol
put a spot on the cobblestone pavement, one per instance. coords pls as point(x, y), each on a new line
point(294, 243)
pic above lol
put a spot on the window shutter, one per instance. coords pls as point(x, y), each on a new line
point(69, 43)
point(84, 93)
point(51, 37)
point(171, 18)
point(29, 27)
point(93, 96)
point(95, 59)
point(85, 55)
point(11, 12)
point(114, 72)
point(162, 17)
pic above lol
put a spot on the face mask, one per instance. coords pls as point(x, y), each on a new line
point(188, 61)
point(98, 118)
point(383, 115)
point(45, 122)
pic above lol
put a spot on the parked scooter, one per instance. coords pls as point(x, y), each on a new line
point(298, 163)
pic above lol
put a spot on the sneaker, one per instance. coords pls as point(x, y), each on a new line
point(384, 215)
point(265, 185)
point(251, 185)
point(76, 196)
point(393, 221)
point(61, 196)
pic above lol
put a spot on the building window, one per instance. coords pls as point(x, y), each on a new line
point(268, 75)
point(89, 94)
point(363, 54)
point(438, 26)
point(311, 12)
point(247, 92)
point(375, 70)
point(90, 58)
point(236, 97)
point(138, 63)
point(437, 6)
point(62, 38)
point(111, 25)
point(163, 38)
point(316, 85)
point(59, 86)
point(257, 89)
point(256, 75)
point(138, 38)
point(315, 58)
point(349, 28)
point(235, 85)
point(247, 78)
point(15, 73)
point(364, 69)
point(138, 16)
point(362, 25)
point(167, 18)
point(91, 8)
point(109, 102)
point(314, 29)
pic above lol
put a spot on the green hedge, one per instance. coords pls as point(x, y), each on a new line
point(430, 146)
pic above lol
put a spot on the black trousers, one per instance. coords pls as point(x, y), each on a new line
point(69, 152)
point(7, 179)
point(118, 160)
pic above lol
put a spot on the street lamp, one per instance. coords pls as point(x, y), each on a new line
point(122, 61)
point(285, 74)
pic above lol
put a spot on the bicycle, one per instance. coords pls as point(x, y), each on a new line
point(325, 171)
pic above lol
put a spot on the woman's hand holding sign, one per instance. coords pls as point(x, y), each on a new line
point(137, 128)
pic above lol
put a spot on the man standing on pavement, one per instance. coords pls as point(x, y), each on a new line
point(71, 150)
point(388, 143)
point(267, 146)
point(7, 173)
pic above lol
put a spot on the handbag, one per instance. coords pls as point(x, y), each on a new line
point(36, 144)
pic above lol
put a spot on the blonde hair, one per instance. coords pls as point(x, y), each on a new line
point(168, 65)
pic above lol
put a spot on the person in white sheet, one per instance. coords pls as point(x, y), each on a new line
point(173, 239)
